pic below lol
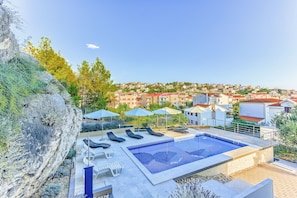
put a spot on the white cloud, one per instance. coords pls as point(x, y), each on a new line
point(92, 46)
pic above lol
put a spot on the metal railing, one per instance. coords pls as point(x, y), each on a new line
point(262, 132)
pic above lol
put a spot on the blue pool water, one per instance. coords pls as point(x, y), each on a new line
point(166, 155)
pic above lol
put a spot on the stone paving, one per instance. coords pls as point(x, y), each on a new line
point(284, 182)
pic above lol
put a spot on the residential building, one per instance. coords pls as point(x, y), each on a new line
point(207, 115)
point(277, 108)
point(132, 99)
point(256, 110)
point(164, 98)
point(147, 99)
point(236, 98)
point(211, 98)
point(257, 95)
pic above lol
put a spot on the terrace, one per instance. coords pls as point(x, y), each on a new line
point(133, 181)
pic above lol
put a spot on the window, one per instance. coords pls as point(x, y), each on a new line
point(287, 109)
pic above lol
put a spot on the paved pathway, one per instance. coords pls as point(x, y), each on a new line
point(284, 182)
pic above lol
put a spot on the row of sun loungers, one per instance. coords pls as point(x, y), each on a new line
point(113, 137)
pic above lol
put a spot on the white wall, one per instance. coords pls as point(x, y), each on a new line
point(199, 99)
point(205, 118)
point(252, 109)
point(199, 119)
point(224, 99)
point(192, 119)
point(220, 118)
point(272, 112)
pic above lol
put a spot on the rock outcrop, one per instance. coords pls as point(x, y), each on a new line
point(9, 47)
point(46, 129)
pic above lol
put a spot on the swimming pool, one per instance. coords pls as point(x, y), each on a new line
point(163, 156)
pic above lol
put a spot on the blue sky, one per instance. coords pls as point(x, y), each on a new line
point(248, 42)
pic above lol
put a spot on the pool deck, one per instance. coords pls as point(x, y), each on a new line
point(132, 181)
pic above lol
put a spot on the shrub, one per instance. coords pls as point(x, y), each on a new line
point(62, 172)
point(71, 153)
point(51, 191)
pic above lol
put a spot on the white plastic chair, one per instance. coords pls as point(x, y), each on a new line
point(115, 168)
point(97, 152)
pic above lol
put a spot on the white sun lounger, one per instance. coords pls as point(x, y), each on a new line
point(115, 168)
point(97, 152)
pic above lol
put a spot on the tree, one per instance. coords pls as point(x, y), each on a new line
point(154, 106)
point(55, 64)
point(244, 91)
point(96, 87)
point(121, 109)
point(84, 84)
point(287, 125)
point(235, 109)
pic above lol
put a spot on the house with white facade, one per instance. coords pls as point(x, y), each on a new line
point(277, 108)
point(200, 99)
point(256, 110)
point(207, 115)
point(211, 98)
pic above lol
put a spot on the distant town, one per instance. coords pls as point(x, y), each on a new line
point(180, 94)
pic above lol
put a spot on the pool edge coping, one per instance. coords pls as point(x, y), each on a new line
point(186, 169)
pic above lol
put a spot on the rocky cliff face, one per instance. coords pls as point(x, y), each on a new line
point(47, 128)
point(9, 47)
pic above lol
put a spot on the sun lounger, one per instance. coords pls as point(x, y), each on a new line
point(115, 168)
point(113, 137)
point(93, 144)
point(180, 129)
point(133, 135)
point(150, 131)
point(96, 152)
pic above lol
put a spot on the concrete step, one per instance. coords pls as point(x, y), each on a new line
point(238, 185)
point(218, 189)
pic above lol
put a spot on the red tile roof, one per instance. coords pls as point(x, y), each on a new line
point(153, 94)
point(276, 104)
point(202, 105)
point(237, 96)
point(264, 100)
point(250, 119)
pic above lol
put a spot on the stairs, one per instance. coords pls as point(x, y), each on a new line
point(239, 188)
point(227, 190)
